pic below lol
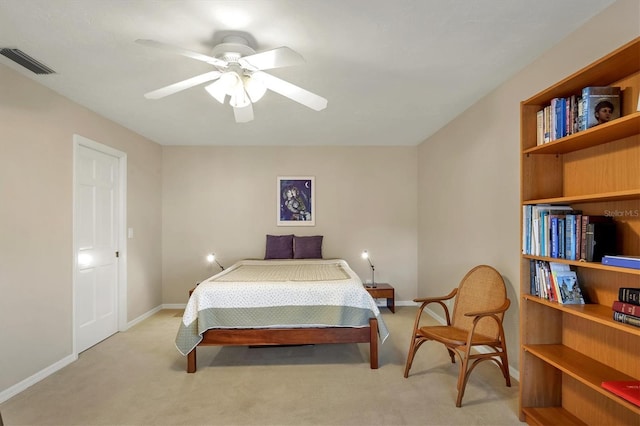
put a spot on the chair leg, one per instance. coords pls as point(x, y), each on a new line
point(416, 342)
point(410, 355)
point(505, 367)
point(452, 355)
point(462, 379)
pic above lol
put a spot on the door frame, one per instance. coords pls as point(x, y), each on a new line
point(121, 242)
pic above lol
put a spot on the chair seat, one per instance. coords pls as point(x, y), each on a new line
point(453, 336)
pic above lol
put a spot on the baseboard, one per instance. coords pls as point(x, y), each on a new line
point(174, 306)
point(40, 375)
point(144, 316)
point(46, 372)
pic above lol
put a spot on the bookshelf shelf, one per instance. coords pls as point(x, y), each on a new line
point(567, 351)
point(627, 195)
point(583, 369)
point(552, 415)
point(600, 314)
point(614, 130)
point(588, 265)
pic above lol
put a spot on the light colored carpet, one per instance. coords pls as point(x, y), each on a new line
point(138, 378)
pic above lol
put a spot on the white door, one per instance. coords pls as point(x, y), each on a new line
point(96, 245)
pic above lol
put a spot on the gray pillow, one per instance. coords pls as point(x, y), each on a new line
point(279, 247)
point(307, 247)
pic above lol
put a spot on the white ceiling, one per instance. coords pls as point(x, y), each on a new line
point(393, 71)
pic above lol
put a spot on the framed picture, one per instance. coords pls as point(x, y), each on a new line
point(296, 201)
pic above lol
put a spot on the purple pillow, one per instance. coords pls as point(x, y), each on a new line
point(279, 247)
point(307, 247)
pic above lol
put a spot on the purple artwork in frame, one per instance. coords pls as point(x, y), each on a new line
point(296, 201)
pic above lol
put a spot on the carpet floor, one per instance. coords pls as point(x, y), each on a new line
point(138, 377)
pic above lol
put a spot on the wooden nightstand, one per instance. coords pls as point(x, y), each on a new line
point(383, 291)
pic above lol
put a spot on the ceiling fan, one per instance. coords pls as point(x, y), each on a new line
point(239, 75)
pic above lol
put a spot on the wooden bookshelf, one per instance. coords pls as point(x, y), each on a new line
point(567, 351)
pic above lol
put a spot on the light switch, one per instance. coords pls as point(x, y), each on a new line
point(130, 233)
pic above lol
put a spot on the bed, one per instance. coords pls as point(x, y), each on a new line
point(281, 302)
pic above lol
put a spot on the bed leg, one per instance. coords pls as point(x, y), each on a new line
point(191, 361)
point(373, 343)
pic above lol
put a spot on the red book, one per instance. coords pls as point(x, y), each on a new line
point(626, 308)
point(629, 390)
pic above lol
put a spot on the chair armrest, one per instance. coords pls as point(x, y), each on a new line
point(439, 300)
point(499, 310)
point(436, 299)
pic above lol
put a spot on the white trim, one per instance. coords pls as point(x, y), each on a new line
point(59, 365)
point(40, 375)
point(144, 316)
point(174, 306)
point(78, 141)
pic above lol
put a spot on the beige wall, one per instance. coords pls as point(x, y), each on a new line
point(36, 149)
point(223, 199)
point(468, 179)
point(427, 214)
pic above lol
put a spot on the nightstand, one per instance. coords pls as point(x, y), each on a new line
point(383, 291)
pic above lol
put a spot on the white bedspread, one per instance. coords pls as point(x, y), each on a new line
point(328, 291)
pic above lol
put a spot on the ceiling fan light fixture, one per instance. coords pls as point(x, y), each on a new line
point(255, 88)
point(227, 84)
point(217, 90)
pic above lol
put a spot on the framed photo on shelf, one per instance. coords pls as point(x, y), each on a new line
point(296, 201)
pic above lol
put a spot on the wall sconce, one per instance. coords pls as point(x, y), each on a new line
point(365, 255)
point(211, 257)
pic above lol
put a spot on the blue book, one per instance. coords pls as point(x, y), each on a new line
point(560, 111)
point(570, 251)
point(561, 239)
point(632, 262)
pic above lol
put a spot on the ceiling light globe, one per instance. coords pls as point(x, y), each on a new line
point(255, 88)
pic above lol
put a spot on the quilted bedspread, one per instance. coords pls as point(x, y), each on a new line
point(278, 294)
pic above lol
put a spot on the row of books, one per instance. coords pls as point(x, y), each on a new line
point(568, 115)
point(627, 308)
point(563, 233)
point(555, 282)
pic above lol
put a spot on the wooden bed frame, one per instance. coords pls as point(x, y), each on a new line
point(290, 336)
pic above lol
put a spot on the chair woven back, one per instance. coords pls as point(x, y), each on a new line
point(481, 289)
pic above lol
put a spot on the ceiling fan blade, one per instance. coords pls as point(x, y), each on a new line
point(243, 114)
point(275, 58)
point(184, 52)
point(291, 91)
point(182, 85)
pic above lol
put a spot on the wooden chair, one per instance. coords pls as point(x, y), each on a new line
point(480, 303)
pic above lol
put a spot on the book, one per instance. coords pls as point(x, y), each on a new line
point(547, 123)
point(626, 308)
point(586, 220)
point(629, 295)
point(601, 104)
point(540, 127)
point(600, 240)
point(560, 118)
point(626, 319)
point(554, 269)
point(627, 389)
point(569, 292)
point(632, 262)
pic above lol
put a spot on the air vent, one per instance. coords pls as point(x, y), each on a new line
point(21, 58)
